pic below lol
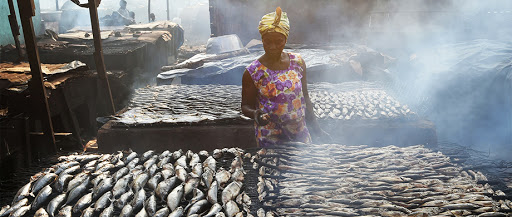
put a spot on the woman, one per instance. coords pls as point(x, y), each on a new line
point(274, 89)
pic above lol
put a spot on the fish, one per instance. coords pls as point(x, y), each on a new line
point(150, 205)
point(140, 181)
point(22, 193)
point(126, 211)
point(207, 176)
point(217, 153)
point(212, 193)
point(120, 173)
point(146, 155)
point(167, 173)
point(62, 182)
point(82, 203)
point(41, 198)
point(220, 214)
point(238, 175)
point(120, 187)
point(41, 212)
point(182, 161)
point(65, 212)
point(103, 201)
point(99, 178)
point(231, 208)
point(3, 211)
point(216, 208)
point(142, 213)
point(154, 180)
point(138, 199)
point(222, 176)
point(194, 160)
point(211, 163)
point(89, 212)
point(191, 184)
point(198, 207)
point(65, 165)
point(104, 186)
point(231, 191)
point(181, 173)
point(203, 154)
point(174, 198)
point(20, 211)
point(133, 163)
point(71, 170)
point(164, 154)
point(47, 179)
point(150, 162)
point(77, 180)
point(55, 204)
point(130, 157)
point(124, 199)
point(78, 191)
point(178, 212)
point(164, 187)
point(14, 207)
point(236, 163)
point(152, 170)
point(164, 212)
point(163, 161)
point(197, 169)
point(109, 211)
point(177, 154)
point(105, 168)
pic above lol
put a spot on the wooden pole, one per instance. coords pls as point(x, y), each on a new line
point(15, 29)
point(168, 12)
point(149, 11)
point(37, 90)
point(56, 5)
point(98, 55)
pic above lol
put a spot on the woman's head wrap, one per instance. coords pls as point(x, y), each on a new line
point(275, 22)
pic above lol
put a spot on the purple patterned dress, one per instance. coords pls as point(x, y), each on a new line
point(280, 95)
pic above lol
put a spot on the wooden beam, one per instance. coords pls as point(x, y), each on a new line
point(37, 89)
point(98, 55)
point(15, 29)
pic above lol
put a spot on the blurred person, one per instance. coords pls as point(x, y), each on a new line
point(274, 89)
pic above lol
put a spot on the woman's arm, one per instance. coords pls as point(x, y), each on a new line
point(311, 121)
point(249, 100)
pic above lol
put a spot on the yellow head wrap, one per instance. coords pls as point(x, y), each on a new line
point(275, 22)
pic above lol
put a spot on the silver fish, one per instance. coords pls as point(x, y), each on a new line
point(203, 154)
point(41, 212)
point(167, 173)
point(62, 182)
point(20, 212)
point(217, 153)
point(3, 211)
point(104, 168)
point(174, 198)
point(189, 154)
point(103, 201)
point(163, 188)
point(120, 187)
point(231, 208)
point(163, 161)
point(178, 212)
point(153, 181)
point(198, 207)
point(152, 170)
point(152, 161)
point(220, 214)
point(222, 176)
point(130, 157)
point(140, 181)
point(89, 212)
point(65, 165)
point(126, 211)
point(105, 157)
point(120, 173)
point(109, 211)
point(133, 163)
point(138, 199)
point(78, 191)
point(16, 206)
point(191, 184)
point(231, 191)
point(22, 193)
point(164, 154)
point(194, 160)
point(238, 175)
point(164, 212)
point(181, 173)
point(197, 169)
point(150, 205)
point(212, 193)
point(77, 180)
point(55, 204)
point(98, 179)
point(236, 163)
point(142, 213)
point(216, 208)
point(177, 154)
point(71, 170)
point(207, 176)
point(82, 203)
point(182, 161)
point(100, 165)
point(65, 212)
point(42, 197)
point(104, 186)
point(47, 179)
point(146, 155)
point(211, 163)
point(124, 199)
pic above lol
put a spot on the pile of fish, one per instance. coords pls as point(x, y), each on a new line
point(196, 103)
point(335, 180)
point(130, 184)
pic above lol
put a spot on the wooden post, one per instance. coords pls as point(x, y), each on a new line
point(37, 90)
point(168, 12)
point(15, 29)
point(149, 11)
point(98, 55)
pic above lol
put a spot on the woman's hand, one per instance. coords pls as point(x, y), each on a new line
point(261, 118)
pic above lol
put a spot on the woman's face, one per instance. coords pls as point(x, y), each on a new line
point(273, 44)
